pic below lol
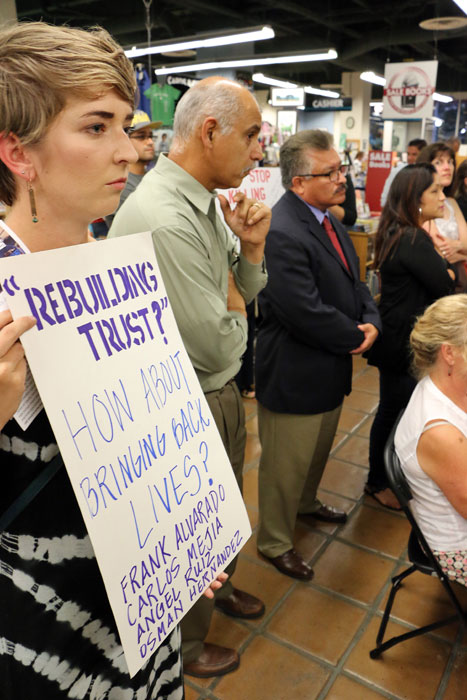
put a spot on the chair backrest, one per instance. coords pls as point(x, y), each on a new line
point(396, 478)
point(401, 488)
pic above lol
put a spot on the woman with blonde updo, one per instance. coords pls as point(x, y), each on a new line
point(431, 439)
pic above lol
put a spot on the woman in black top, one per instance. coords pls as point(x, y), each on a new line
point(413, 275)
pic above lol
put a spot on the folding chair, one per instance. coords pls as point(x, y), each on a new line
point(419, 554)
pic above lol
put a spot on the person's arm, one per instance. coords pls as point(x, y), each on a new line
point(453, 250)
point(214, 336)
point(371, 333)
point(235, 301)
point(421, 260)
point(442, 454)
point(250, 222)
point(12, 363)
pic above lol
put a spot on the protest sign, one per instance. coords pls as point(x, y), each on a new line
point(145, 459)
point(261, 184)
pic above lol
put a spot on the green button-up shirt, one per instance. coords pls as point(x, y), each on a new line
point(194, 252)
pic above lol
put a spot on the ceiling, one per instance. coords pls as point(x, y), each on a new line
point(365, 33)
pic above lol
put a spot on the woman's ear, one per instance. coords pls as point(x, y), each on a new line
point(15, 157)
point(448, 353)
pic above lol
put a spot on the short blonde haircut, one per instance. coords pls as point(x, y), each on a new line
point(445, 321)
point(41, 65)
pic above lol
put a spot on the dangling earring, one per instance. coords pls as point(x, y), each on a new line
point(32, 202)
point(449, 370)
point(420, 210)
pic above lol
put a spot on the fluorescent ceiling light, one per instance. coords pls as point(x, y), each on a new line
point(260, 78)
point(242, 63)
point(255, 34)
point(442, 98)
point(265, 80)
point(462, 4)
point(371, 77)
point(323, 93)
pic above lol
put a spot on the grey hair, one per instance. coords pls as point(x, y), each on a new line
point(294, 160)
point(209, 98)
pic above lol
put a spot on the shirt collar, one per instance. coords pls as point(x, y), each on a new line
point(317, 212)
point(194, 191)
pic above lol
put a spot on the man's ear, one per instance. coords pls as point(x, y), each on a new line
point(297, 185)
point(15, 157)
point(209, 129)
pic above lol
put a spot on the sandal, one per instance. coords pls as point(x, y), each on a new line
point(376, 493)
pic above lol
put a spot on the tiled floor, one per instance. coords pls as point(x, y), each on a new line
point(314, 639)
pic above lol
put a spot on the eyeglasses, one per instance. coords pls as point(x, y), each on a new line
point(141, 137)
point(333, 175)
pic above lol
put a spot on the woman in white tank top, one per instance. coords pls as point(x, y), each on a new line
point(431, 439)
point(449, 233)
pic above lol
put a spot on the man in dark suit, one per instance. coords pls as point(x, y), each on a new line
point(316, 315)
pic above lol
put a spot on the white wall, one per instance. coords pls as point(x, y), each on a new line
point(7, 10)
point(315, 120)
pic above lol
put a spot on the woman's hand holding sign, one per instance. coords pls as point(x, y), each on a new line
point(12, 363)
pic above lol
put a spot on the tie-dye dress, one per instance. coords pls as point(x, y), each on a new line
point(58, 638)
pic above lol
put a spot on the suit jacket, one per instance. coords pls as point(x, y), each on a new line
point(310, 311)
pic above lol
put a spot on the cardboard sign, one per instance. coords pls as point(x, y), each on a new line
point(379, 167)
point(144, 456)
point(408, 93)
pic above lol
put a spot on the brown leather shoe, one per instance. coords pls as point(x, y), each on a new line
point(213, 661)
point(328, 514)
point(292, 564)
point(241, 604)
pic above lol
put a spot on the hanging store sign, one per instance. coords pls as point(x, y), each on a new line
point(328, 104)
point(409, 89)
point(288, 97)
point(379, 167)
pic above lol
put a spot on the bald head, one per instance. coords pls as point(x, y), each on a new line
point(222, 99)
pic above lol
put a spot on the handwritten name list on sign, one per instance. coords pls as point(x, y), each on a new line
point(144, 456)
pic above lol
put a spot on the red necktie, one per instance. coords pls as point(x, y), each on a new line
point(334, 240)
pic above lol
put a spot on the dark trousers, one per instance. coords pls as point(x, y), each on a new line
point(395, 391)
point(229, 415)
point(246, 374)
